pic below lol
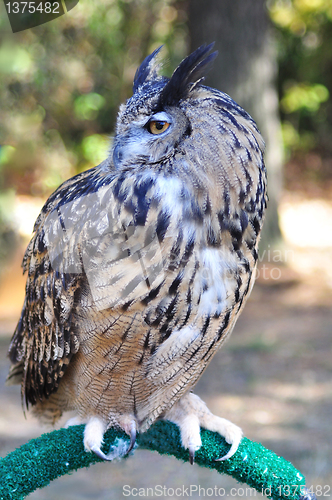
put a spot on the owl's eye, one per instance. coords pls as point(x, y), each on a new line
point(157, 126)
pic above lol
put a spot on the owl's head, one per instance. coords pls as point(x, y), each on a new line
point(179, 118)
point(152, 124)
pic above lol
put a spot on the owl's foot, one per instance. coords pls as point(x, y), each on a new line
point(73, 421)
point(190, 413)
point(94, 433)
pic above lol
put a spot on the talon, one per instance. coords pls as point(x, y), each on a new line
point(119, 450)
point(97, 451)
point(191, 455)
point(132, 437)
point(231, 452)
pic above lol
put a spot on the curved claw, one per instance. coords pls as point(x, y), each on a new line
point(231, 452)
point(132, 437)
point(119, 451)
point(120, 447)
point(191, 455)
point(97, 451)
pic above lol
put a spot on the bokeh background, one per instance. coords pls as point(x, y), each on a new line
point(60, 87)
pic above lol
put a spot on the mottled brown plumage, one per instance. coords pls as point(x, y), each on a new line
point(139, 267)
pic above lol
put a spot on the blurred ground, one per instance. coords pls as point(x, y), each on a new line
point(273, 377)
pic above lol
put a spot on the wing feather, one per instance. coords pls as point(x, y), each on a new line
point(46, 336)
point(92, 239)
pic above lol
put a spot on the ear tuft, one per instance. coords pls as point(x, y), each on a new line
point(190, 72)
point(148, 70)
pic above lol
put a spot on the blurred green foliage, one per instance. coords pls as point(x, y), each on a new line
point(61, 84)
point(304, 36)
point(308, 97)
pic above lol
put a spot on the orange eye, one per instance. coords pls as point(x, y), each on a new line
point(157, 127)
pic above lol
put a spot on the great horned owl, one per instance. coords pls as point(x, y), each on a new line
point(139, 267)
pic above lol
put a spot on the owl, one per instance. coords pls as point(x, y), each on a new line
point(139, 268)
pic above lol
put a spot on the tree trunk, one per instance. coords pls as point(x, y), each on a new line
point(246, 70)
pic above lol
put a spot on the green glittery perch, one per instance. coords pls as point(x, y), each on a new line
point(37, 463)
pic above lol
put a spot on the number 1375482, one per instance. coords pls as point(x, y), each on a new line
point(33, 7)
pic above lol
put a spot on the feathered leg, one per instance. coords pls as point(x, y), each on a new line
point(190, 413)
